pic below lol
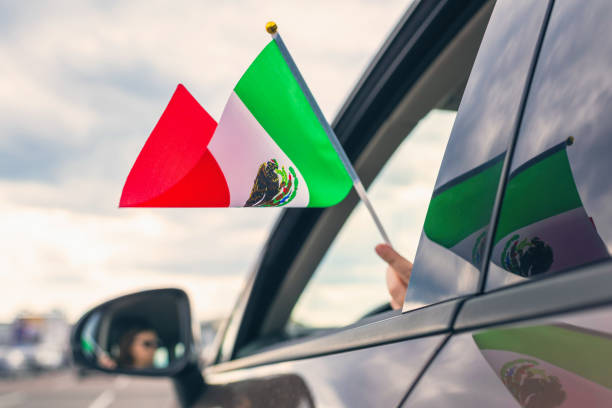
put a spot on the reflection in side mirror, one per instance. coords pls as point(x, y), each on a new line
point(147, 333)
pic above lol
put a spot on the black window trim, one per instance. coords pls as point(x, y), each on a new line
point(392, 72)
point(583, 288)
point(447, 73)
point(576, 289)
point(426, 321)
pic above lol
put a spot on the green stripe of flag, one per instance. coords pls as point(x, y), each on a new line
point(541, 189)
point(463, 205)
point(272, 94)
point(87, 345)
point(586, 354)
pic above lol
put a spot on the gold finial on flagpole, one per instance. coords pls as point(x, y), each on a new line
point(271, 27)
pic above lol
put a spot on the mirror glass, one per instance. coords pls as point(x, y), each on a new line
point(141, 332)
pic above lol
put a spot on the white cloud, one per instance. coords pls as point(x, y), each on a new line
point(84, 83)
point(54, 257)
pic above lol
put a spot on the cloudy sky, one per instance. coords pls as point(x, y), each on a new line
point(84, 82)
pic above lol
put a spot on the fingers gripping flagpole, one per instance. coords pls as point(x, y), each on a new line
point(272, 29)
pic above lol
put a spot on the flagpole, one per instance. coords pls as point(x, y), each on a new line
point(272, 29)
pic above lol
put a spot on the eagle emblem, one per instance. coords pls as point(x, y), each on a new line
point(531, 385)
point(273, 186)
point(526, 257)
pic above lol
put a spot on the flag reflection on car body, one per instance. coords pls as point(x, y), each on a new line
point(459, 210)
point(543, 226)
point(558, 365)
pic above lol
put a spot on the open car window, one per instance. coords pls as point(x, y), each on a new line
point(349, 283)
point(321, 271)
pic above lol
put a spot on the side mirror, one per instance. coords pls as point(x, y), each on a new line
point(145, 333)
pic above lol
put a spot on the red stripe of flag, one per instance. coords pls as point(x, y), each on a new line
point(175, 168)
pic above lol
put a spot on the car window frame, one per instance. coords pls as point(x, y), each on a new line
point(425, 29)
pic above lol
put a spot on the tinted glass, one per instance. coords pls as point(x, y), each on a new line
point(557, 362)
point(453, 235)
point(350, 280)
point(556, 210)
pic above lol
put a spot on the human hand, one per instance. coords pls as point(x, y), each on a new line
point(106, 362)
point(398, 273)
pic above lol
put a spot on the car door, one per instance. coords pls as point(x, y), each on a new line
point(540, 335)
point(272, 351)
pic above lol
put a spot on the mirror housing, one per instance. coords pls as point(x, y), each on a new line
point(145, 333)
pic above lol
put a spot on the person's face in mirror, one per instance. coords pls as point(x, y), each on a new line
point(143, 349)
point(138, 348)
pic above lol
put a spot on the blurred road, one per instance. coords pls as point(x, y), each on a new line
point(65, 389)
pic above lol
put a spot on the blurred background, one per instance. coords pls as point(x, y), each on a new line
point(82, 85)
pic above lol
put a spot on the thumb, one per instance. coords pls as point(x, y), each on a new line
point(401, 265)
point(388, 254)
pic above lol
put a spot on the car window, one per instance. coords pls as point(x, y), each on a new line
point(556, 209)
point(451, 246)
point(350, 280)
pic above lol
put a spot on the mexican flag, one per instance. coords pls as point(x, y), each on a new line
point(460, 210)
point(543, 226)
point(557, 365)
point(269, 149)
